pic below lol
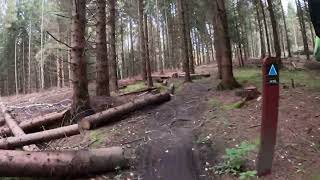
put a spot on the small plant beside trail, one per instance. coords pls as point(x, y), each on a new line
point(234, 161)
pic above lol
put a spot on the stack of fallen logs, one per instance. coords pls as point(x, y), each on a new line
point(35, 163)
point(32, 162)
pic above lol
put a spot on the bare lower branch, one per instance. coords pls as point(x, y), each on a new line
point(58, 40)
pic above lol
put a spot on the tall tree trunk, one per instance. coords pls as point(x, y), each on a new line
point(275, 30)
point(309, 21)
point(132, 52)
point(146, 43)
point(80, 97)
point(184, 43)
point(16, 67)
point(239, 39)
point(123, 63)
point(113, 54)
point(286, 30)
point(188, 36)
point(42, 42)
point(23, 69)
point(262, 42)
point(29, 64)
point(303, 29)
point(221, 33)
point(102, 66)
point(265, 26)
point(142, 41)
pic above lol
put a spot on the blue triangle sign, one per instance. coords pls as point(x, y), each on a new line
point(273, 71)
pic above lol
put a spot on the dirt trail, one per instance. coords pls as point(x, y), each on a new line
point(170, 153)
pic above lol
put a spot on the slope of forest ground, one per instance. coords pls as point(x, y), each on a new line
point(211, 121)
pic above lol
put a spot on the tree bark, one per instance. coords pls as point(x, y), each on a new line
point(41, 48)
point(222, 36)
point(29, 64)
point(146, 43)
point(15, 67)
point(15, 129)
point(286, 29)
point(142, 41)
point(265, 26)
point(60, 164)
point(107, 116)
point(262, 42)
point(39, 137)
point(184, 43)
point(276, 39)
point(37, 122)
point(102, 66)
point(113, 55)
point(303, 29)
point(79, 79)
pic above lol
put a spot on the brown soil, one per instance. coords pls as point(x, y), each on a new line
point(166, 141)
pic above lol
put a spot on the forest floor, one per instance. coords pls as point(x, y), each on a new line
point(194, 129)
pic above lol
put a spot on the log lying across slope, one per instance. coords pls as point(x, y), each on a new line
point(60, 164)
point(37, 122)
point(39, 137)
point(104, 117)
point(15, 129)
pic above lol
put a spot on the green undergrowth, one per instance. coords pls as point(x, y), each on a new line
point(301, 78)
point(134, 87)
point(232, 106)
point(96, 138)
point(141, 86)
point(234, 161)
point(214, 103)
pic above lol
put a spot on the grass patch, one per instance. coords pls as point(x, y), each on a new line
point(134, 87)
point(249, 76)
point(96, 138)
point(213, 103)
point(236, 105)
point(235, 159)
point(254, 76)
point(309, 79)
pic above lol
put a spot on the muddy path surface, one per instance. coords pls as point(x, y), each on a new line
point(171, 153)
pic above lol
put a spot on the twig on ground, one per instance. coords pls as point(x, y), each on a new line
point(133, 141)
point(255, 126)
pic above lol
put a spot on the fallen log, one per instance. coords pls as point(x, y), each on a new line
point(139, 91)
point(196, 76)
point(15, 129)
point(39, 137)
point(37, 122)
point(107, 116)
point(61, 164)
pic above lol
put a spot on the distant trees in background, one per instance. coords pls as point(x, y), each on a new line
point(127, 38)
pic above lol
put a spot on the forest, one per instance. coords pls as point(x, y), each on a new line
point(160, 89)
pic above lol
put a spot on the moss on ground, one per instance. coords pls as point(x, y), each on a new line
point(236, 105)
point(134, 87)
point(141, 86)
point(254, 76)
point(96, 138)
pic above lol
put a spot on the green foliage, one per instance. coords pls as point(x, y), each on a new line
point(253, 76)
point(96, 138)
point(235, 158)
point(247, 175)
point(249, 75)
point(213, 103)
point(134, 87)
point(236, 105)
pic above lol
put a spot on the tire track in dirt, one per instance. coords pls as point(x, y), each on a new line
point(171, 153)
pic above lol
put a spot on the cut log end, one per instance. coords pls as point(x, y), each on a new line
point(85, 125)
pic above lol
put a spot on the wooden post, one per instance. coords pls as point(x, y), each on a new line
point(270, 104)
